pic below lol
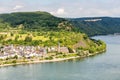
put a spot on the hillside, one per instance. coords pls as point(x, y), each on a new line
point(44, 29)
point(97, 25)
point(32, 20)
point(43, 21)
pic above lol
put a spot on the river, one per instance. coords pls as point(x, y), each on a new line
point(104, 66)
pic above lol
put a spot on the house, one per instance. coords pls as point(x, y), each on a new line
point(52, 49)
point(63, 50)
point(20, 51)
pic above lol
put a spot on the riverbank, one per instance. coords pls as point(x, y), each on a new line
point(35, 61)
point(40, 61)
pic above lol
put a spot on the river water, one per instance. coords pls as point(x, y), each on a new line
point(104, 66)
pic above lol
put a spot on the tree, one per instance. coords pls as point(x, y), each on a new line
point(70, 50)
point(15, 57)
point(16, 38)
point(50, 38)
point(35, 42)
point(28, 39)
point(11, 34)
point(1, 37)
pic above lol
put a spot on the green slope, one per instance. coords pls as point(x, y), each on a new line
point(102, 25)
point(32, 20)
point(44, 21)
point(44, 29)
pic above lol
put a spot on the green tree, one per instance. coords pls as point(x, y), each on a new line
point(16, 38)
point(15, 57)
point(28, 39)
point(11, 34)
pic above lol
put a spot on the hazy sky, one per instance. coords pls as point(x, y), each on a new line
point(64, 8)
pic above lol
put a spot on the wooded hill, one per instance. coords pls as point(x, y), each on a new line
point(46, 22)
point(97, 25)
point(34, 20)
point(44, 29)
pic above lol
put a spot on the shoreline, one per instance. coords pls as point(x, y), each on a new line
point(53, 60)
point(40, 61)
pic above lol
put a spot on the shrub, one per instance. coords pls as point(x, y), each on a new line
point(70, 50)
point(15, 57)
point(28, 39)
point(14, 61)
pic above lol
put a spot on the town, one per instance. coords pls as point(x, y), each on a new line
point(28, 51)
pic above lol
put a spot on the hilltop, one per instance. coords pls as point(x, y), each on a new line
point(33, 20)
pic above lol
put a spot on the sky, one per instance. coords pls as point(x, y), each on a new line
point(64, 8)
